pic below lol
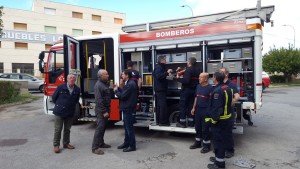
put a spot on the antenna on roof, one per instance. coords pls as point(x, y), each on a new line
point(258, 5)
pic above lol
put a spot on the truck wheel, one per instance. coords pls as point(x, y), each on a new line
point(76, 114)
point(41, 88)
point(174, 113)
point(263, 87)
point(247, 116)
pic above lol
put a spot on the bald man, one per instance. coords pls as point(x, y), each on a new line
point(200, 110)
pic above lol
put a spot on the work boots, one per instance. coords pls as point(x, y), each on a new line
point(205, 150)
point(197, 144)
point(214, 165)
point(229, 154)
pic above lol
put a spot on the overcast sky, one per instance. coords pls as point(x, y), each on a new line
point(142, 11)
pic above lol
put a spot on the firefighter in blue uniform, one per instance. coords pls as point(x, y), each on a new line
point(189, 83)
point(200, 110)
point(220, 114)
point(135, 74)
point(230, 151)
point(136, 77)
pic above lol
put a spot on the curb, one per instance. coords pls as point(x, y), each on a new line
point(271, 86)
point(16, 103)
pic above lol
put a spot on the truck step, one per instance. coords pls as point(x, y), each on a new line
point(172, 128)
point(87, 107)
point(139, 123)
point(93, 119)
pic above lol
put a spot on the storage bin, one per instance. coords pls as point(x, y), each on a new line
point(179, 57)
point(232, 53)
point(196, 54)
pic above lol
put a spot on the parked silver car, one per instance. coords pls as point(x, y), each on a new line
point(33, 82)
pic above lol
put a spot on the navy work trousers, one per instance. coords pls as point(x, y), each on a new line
point(221, 139)
point(129, 130)
point(162, 115)
point(201, 127)
point(187, 96)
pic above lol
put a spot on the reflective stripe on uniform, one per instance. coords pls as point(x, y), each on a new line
point(200, 95)
point(198, 139)
point(190, 119)
point(220, 159)
point(182, 120)
point(210, 120)
point(206, 142)
point(225, 116)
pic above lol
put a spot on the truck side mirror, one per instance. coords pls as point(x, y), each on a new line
point(41, 62)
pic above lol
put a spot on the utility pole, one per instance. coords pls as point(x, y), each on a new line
point(294, 33)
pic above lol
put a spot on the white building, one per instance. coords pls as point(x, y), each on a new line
point(27, 33)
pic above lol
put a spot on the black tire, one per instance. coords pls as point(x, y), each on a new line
point(76, 114)
point(41, 88)
point(263, 87)
point(174, 113)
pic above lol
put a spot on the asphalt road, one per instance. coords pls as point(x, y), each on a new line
point(273, 142)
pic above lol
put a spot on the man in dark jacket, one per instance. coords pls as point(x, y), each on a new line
point(128, 100)
point(66, 98)
point(189, 82)
point(160, 87)
point(102, 110)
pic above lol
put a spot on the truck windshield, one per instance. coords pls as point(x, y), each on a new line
point(56, 60)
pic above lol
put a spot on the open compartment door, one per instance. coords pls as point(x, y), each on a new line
point(71, 58)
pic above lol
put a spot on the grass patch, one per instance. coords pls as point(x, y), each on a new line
point(23, 98)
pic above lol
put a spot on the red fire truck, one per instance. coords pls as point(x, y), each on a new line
point(230, 39)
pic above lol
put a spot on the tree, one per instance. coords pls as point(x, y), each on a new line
point(284, 60)
point(1, 23)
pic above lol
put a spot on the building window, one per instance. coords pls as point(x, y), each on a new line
point(77, 15)
point(1, 68)
point(50, 29)
point(96, 33)
point(96, 17)
point(50, 11)
point(118, 21)
point(20, 26)
point(77, 32)
point(47, 47)
point(23, 68)
point(19, 45)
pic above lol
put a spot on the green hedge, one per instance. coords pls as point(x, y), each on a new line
point(8, 90)
point(278, 79)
